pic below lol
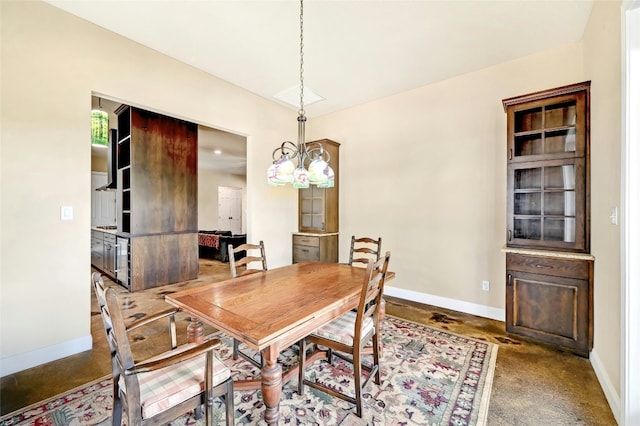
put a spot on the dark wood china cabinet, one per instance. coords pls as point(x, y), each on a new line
point(549, 269)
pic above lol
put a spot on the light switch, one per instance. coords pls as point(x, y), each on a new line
point(614, 216)
point(66, 212)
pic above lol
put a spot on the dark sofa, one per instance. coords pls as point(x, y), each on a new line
point(224, 238)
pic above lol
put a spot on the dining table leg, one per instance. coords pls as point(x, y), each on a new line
point(271, 385)
point(195, 331)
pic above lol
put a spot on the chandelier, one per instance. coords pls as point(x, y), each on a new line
point(302, 164)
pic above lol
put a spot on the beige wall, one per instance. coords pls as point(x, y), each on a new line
point(51, 63)
point(602, 66)
point(424, 169)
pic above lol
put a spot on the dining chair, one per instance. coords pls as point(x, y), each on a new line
point(160, 389)
point(348, 336)
point(239, 267)
point(363, 249)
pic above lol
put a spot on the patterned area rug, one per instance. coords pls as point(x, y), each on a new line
point(429, 377)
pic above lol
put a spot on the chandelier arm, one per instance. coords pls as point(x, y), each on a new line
point(287, 148)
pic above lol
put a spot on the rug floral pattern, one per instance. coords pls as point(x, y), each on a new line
point(428, 377)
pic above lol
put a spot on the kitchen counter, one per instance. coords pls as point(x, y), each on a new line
point(108, 231)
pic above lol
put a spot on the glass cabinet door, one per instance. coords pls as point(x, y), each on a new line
point(543, 204)
point(312, 209)
point(548, 130)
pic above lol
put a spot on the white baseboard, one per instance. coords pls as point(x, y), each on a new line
point(445, 302)
point(610, 392)
point(20, 362)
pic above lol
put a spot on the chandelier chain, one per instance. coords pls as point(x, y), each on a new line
point(301, 112)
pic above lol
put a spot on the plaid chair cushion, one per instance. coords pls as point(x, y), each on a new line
point(164, 388)
point(342, 329)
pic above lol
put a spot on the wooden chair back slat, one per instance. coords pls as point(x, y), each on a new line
point(363, 249)
point(240, 266)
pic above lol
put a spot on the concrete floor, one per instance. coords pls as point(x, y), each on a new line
point(533, 384)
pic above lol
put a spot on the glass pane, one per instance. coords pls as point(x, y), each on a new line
point(306, 220)
point(528, 120)
point(560, 141)
point(527, 179)
point(307, 206)
point(560, 203)
point(560, 177)
point(527, 203)
point(560, 229)
point(317, 206)
point(317, 222)
point(560, 115)
point(527, 228)
point(528, 145)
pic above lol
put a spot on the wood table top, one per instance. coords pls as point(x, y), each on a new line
point(262, 308)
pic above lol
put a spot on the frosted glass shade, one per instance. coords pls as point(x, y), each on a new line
point(281, 171)
point(300, 178)
point(317, 172)
point(331, 178)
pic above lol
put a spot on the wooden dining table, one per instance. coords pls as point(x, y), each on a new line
point(271, 310)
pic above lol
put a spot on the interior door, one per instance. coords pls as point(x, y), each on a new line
point(230, 209)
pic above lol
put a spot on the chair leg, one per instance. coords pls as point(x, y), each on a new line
point(228, 401)
point(236, 343)
point(302, 359)
point(116, 411)
point(376, 357)
point(357, 378)
point(197, 413)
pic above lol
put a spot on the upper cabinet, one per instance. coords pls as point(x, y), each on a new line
point(158, 171)
point(548, 169)
point(318, 207)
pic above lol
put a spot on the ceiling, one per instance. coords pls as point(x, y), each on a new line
point(355, 51)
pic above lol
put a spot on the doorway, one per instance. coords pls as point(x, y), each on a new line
point(230, 209)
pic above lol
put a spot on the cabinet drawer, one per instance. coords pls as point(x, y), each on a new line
point(109, 238)
point(549, 266)
point(304, 240)
point(302, 253)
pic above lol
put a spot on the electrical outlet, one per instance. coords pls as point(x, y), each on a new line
point(485, 285)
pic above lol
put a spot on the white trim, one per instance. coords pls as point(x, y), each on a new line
point(629, 413)
point(445, 302)
point(610, 391)
point(40, 356)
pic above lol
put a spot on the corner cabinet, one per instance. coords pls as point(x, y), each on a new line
point(318, 212)
point(157, 196)
point(549, 277)
point(547, 142)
